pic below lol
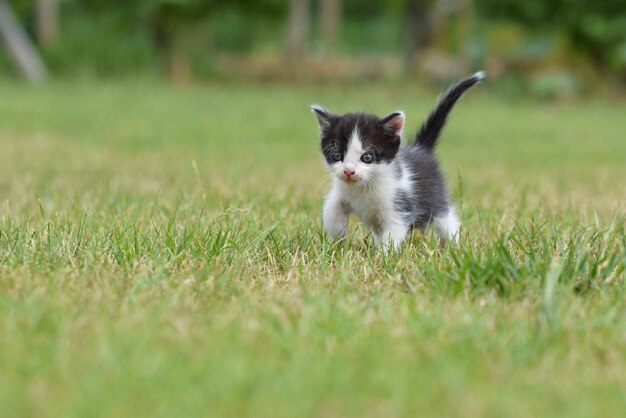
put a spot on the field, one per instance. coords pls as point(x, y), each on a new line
point(161, 254)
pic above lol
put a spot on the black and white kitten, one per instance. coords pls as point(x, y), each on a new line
point(391, 188)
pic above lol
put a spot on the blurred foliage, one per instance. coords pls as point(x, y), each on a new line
point(598, 28)
point(115, 37)
point(533, 38)
point(556, 85)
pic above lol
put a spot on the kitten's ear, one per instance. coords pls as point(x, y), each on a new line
point(393, 123)
point(324, 117)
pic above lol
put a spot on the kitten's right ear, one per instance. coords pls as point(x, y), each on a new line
point(394, 122)
point(324, 117)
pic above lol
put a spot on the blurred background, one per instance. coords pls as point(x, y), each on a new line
point(554, 49)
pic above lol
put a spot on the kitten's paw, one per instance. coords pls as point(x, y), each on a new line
point(448, 226)
point(391, 238)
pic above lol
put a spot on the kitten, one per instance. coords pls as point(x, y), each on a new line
point(391, 188)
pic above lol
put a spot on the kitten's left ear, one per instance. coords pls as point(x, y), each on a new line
point(393, 123)
point(324, 117)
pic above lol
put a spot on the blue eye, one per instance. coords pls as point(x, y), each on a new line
point(367, 158)
point(336, 156)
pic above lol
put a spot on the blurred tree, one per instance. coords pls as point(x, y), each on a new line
point(418, 28)
point(47, 12)
point(19, 46)
point(330, 18)
point(453, 19)
point(172, 23)
point(298, 28)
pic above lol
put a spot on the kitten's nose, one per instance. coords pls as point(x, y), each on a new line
point(348, 172)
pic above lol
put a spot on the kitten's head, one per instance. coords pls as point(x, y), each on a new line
point(356, 145)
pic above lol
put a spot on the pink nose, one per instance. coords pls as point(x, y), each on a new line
point(348, 173)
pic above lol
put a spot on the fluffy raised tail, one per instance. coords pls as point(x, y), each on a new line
point(431, 128)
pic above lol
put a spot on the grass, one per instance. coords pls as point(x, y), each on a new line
point(161, 254)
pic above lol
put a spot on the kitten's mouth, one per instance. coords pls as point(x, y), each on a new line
point(350, 180)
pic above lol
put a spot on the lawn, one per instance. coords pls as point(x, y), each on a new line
point(161, 254)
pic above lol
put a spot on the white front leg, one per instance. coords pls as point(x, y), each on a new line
point(447, 226)
point(391, 235)
point(335, 216)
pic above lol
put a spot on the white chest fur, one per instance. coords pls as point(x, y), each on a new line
point(373, 202)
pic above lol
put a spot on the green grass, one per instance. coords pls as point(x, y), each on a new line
point(161, 254)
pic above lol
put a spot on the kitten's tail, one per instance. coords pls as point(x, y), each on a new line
point(431, 128)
